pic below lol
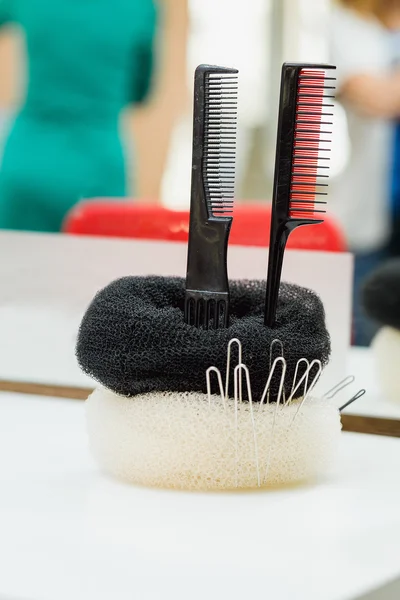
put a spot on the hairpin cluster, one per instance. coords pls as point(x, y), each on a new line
point(263, 416)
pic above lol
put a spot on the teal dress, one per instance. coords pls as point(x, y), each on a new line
point(86, 61)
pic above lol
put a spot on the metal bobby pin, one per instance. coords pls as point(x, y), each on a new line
point(359, 394)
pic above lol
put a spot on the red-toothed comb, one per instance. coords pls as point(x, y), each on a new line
point(302, 159)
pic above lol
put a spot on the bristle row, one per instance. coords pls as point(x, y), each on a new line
point(310, 160)
point(220, 141)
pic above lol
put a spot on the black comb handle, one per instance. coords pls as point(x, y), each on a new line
point(279, 237)
point(207, 288)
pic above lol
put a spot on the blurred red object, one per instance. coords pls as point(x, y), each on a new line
point(251, 225)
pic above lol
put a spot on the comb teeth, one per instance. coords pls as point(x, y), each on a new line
point(312, 139)
point(220, 141)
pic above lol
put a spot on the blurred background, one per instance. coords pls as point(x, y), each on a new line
point(107, 112)
point(256, 37)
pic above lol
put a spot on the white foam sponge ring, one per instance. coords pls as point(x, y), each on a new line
point(386, 346)
point(179, 440)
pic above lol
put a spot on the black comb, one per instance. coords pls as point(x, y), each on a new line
point(302, 160)
point(212, 194)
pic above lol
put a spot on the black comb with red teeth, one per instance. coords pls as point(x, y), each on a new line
point(302, 160)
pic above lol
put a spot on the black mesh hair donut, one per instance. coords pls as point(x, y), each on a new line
point(133, 338)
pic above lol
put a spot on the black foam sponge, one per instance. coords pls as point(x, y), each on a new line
point(381, 294)
point(133, 338)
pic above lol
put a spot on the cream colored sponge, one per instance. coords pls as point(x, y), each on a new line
point(180, 440)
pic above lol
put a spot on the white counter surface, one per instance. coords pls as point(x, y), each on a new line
point(66, 531)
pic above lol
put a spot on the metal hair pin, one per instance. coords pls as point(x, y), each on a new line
point(305, 378)
point(356, 396)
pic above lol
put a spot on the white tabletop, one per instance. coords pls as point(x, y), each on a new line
point(69, 532)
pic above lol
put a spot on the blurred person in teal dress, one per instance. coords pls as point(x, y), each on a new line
point(86, 61)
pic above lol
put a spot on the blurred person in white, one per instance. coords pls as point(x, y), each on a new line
point(365, 47)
